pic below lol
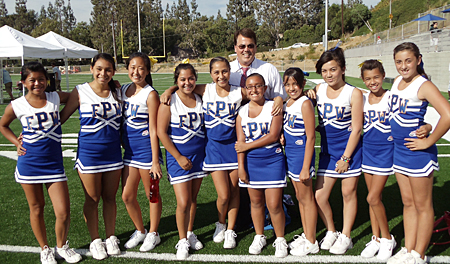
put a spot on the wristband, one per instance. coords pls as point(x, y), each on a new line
point(345, 159)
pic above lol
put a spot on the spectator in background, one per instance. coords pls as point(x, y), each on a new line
point(434, 36)
point(8, 82)
point(57, 73)
point(379, 45)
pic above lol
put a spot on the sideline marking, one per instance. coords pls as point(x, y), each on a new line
point(228, 258)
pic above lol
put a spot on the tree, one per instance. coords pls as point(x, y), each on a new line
point(238, 10)
point(101, 20)
point(81, 34)
point(272, 14)
point(69, 21)
point(3, 13)
point(23, 20)
point(194, 13)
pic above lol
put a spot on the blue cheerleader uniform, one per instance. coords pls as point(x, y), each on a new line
point(187, 132)
point(135, 129)
point(220, 122)
point(378, 144)
point(41, 130)
point(335, 119)
point(99, 138)
point(265, 166)
point(295, 137)
point(407, 112)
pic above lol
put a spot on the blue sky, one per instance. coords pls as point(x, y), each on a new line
point(82, 8)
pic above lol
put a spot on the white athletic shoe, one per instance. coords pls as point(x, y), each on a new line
point(342, 244)
point(305, 247)
point(182, 249)
point(281, 247)
point(47, 256)
point(328, 240)
point(371, 248)
point(386, 248)
point(411, 258)
point(97, 249)
point(230, 239)
point(193, 241)
point(112, 245)
point(67, 253)
point(259, 241)
point(136, 238)
point(219, 234)
point(150, 242)
point(399, 255)
point(297, 241)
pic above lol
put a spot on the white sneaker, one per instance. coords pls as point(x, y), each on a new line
point(411, 258)
point(97, 249)
point(259, 241)
point(297, 241)
point(400, 254)
point(371, 248)
point(67, 253)
point(328, 240)
point(182, 249)
point(281, 247)
point(47, 256)
point(230, 241)
point(112, 245)
point(305, 248)
point(386, 248)
point(193, 241)
point(136, 238)
point(150, 242)
point(219, 234)
point(342, 244)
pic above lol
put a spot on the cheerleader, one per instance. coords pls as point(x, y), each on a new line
point(181, 130)
point(142, 154)
point(340, 108)
point(261, 164)
point(415, 159)
point(99, 157)
point(299, 136)
point(40, 161)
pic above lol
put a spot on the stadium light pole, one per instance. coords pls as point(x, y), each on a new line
point(139, 25)
point(325, 39)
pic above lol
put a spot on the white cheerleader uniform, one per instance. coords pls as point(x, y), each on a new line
point(295, 138)
point(265, 166)
point(43, 161)
point(220, 122)
point(407, 114)
point(187, 132)
point(378, 144)
point(99, 138)
point(135, 129)
point(335, 119)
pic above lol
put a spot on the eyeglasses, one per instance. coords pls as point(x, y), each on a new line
point(250, 46)
point(258, 86)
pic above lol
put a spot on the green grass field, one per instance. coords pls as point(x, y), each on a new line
point(16, 230)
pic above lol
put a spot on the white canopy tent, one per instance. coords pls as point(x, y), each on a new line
point(17, 45)
point(72, 49)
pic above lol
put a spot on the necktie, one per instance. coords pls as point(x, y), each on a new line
point(244, 76)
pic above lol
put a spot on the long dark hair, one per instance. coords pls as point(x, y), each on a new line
point(32, 66)
point(295, 73)
point(336, 54)
point(217, 59)
point(415, 50)
point(147, 62)
point(111, 83)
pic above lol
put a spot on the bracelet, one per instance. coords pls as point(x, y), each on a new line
point(345, 159)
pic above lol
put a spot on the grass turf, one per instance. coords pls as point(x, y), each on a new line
point(17, 231)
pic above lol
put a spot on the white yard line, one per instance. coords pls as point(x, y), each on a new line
point(227, 258)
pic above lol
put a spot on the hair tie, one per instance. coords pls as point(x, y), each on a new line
point(337, 46)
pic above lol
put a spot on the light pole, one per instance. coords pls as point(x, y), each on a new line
point(325, 38)
point(139, 25)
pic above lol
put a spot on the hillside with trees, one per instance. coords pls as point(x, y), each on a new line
point(278, 23)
